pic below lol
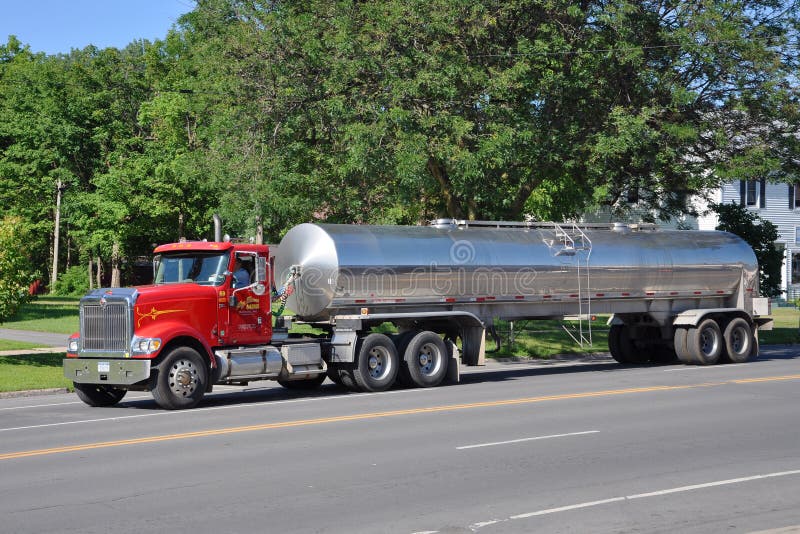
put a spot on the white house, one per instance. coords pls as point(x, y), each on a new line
point(777, 203)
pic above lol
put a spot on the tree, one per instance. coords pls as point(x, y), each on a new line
point(761, 235)
point(16, 271)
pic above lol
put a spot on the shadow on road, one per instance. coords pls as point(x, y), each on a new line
point(497, 372)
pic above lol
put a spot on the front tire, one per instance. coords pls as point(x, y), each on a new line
point(182, 379)
point(98, 395)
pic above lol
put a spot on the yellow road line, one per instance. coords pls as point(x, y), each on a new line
point(378, 415)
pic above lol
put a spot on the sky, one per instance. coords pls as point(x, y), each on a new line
point(54, 26)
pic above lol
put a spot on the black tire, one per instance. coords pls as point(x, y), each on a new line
point(333, 373)
point(613, 343)
point(425, 360)
point(625, 349)
point(304, 384)
point(376, 365)
point(401, 342)
point(704, 343)
point(738, 338)
point(680, 345)
point(181, 381)
point(98, 395)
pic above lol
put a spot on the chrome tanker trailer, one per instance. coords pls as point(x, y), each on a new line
point(689, 295)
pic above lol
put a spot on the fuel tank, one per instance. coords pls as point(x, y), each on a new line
point(342, 267)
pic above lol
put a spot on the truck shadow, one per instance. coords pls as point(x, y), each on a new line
point(272, 393)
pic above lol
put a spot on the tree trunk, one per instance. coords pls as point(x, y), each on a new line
point(115, 270)
point(259, 231)
point(56, 237)
point(91, 272)
point(99, 272)
point(181, 227)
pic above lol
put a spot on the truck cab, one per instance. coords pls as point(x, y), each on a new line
point(129, 337)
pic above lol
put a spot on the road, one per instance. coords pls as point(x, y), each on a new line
point(576, 447)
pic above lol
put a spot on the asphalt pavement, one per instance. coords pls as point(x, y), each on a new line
point(516, 447)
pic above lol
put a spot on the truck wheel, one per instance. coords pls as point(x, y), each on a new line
point(681, 351)
point(304, 383)
point(333, 373)
point(401, 342)
point(613, 343)
point(181, 381)
point(704, 342)
point(738, 338)
point(622, 346)
point(376, 365)
point(424, 360)
point(99, 395)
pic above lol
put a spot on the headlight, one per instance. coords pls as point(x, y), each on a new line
point(73, 345)
point(145, 345)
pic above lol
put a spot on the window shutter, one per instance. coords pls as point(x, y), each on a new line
point(791, 196)
point(742, 192)
point(762, 198)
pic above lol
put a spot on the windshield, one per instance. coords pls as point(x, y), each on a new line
point(204, 268)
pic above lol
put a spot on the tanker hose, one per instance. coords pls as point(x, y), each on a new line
point(280, 295)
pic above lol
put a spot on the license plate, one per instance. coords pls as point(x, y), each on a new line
point(103, 367)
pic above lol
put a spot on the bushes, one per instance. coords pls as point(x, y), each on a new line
point(16, 271)
point(74, 282)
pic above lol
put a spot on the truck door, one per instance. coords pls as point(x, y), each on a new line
point(249, 312)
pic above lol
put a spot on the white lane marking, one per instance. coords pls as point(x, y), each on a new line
point(463, 447)
point(680, 489)
point(226, 407)
point(28, 406)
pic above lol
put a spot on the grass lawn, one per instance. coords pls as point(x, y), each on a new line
point(8, 344)
point(58, 315)
point(34, 371)
point(786, 329)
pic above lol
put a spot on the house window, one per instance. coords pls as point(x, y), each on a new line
point(794, 196)
point(797, 235)
point(753, 193)
point(796, 268)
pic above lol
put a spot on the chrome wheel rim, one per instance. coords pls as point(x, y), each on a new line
point(183, 378)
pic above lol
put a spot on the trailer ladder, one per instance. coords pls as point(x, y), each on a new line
point(571, 241)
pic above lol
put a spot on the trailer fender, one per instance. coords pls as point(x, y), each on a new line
point(692, 318)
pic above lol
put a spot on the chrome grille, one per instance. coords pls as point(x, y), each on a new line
point(106, 328)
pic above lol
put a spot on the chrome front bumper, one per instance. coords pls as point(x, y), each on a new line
point(106, 371)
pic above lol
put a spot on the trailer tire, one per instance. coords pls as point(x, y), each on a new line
point(704, 342)
point(679, 339)
point(401, 342)
point(376, 365)
point(622, 346)
point(181, 380)
point(304, 384)
point(738, 338)
point(98, 395)
point(425, 360)
point(613, 343)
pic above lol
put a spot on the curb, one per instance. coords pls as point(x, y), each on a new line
point(32, 393)
point(30, 352)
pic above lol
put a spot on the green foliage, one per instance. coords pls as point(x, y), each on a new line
point(16, 271)
point(74, 282)
point(761, 235)
point(393, 111)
